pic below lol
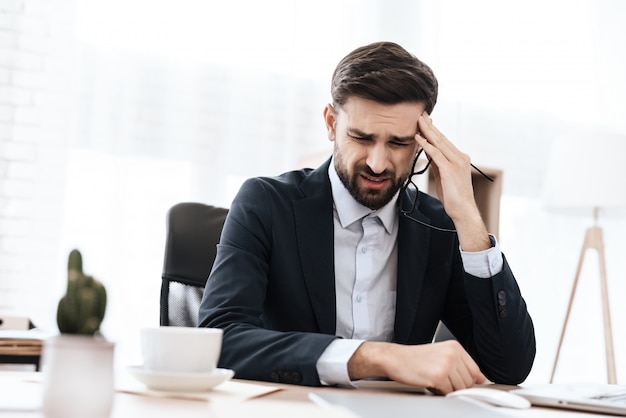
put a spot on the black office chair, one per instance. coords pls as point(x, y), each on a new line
point(193, 231)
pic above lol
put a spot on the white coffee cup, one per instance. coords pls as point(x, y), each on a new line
point(181, 349)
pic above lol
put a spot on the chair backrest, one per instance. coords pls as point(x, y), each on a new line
point(193, 232)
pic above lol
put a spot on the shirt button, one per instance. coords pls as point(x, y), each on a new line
point(363, 250)
point(358, 298)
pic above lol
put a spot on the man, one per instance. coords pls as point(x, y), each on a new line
point(321, 279)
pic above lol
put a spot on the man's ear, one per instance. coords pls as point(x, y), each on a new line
point(330, 119)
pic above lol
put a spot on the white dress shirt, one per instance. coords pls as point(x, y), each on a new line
point(366, 266)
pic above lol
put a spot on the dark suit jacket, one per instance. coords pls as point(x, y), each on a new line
point(272, 287)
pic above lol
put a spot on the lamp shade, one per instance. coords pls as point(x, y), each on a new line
point(587, 171)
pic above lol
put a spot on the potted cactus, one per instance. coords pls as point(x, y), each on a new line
point(78, 363)
point(81, 310)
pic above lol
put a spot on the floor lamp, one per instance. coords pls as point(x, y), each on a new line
point(587, 176)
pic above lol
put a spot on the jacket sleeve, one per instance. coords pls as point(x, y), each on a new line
point(279, 346)
point(495, 327)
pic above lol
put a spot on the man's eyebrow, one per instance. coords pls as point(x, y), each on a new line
point(359, 134)
point(403, 138)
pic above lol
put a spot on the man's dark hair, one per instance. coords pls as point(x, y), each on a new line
point(385, 73)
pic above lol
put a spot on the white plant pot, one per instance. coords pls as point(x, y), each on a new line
point(78, 377)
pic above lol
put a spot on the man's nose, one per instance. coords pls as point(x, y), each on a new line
point(377, 159)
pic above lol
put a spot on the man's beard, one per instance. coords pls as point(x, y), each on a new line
point(373, 199)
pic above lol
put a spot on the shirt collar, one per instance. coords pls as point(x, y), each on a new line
point(350, 211)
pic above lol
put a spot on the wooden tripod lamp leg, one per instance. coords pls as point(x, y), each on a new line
point(593, 239)
point(606, 312)
point(581, 258)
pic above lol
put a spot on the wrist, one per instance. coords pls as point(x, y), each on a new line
point(471, 231)
point(368, 360)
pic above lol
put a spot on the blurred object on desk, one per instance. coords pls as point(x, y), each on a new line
point(20, 343)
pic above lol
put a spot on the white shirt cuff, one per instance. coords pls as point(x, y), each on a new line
point(483, 264)
point(332, 366)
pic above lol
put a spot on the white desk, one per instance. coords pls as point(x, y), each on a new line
point(23, 389)
point(21, 394)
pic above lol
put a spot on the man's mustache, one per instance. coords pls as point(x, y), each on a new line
point(368, 171)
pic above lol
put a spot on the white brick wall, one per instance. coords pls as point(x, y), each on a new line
point(36, 53)
point(121, 104)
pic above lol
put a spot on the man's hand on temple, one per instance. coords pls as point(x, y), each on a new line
point(453, 177)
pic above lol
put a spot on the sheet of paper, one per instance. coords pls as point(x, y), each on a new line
point(230, 390)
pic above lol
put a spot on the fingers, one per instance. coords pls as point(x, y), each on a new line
point(441, 367)
point(463, 373)
point(460, 371)
point(432, 134)
point(471, 374)
point(461, 378)
point(430, 138)
point(436, 145)
point(452, 171)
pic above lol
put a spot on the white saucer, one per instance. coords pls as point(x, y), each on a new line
point(180, 382)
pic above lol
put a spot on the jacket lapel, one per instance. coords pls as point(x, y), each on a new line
point(413, 242)
point(314, 229)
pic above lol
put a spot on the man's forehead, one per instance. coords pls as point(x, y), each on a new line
point(364, 108)
point(369, 116)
